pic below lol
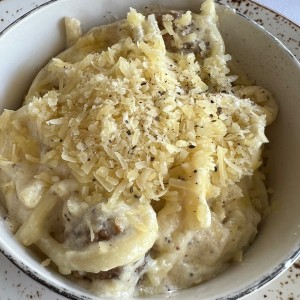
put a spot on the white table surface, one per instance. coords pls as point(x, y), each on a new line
point(16, 285)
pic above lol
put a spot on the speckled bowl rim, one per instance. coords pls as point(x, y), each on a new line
point(294, 254)
point(274, 12)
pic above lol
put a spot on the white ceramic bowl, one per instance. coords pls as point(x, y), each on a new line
point(26, 46)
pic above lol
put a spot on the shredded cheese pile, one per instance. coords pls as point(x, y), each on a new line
point(128, 115)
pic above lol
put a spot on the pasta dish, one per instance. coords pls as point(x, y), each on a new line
point(135, 162)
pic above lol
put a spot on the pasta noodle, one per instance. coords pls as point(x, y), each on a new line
point(135, 161)
point(106, 255)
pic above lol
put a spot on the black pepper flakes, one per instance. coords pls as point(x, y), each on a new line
point(128, 132)
point(67, 218)
point(167, 240)
point(192, 146)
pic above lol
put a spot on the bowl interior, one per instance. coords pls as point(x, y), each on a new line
point(29, 44)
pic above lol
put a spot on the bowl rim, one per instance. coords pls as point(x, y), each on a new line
point(295, 254)
point(76, 295)
point(274, 12)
